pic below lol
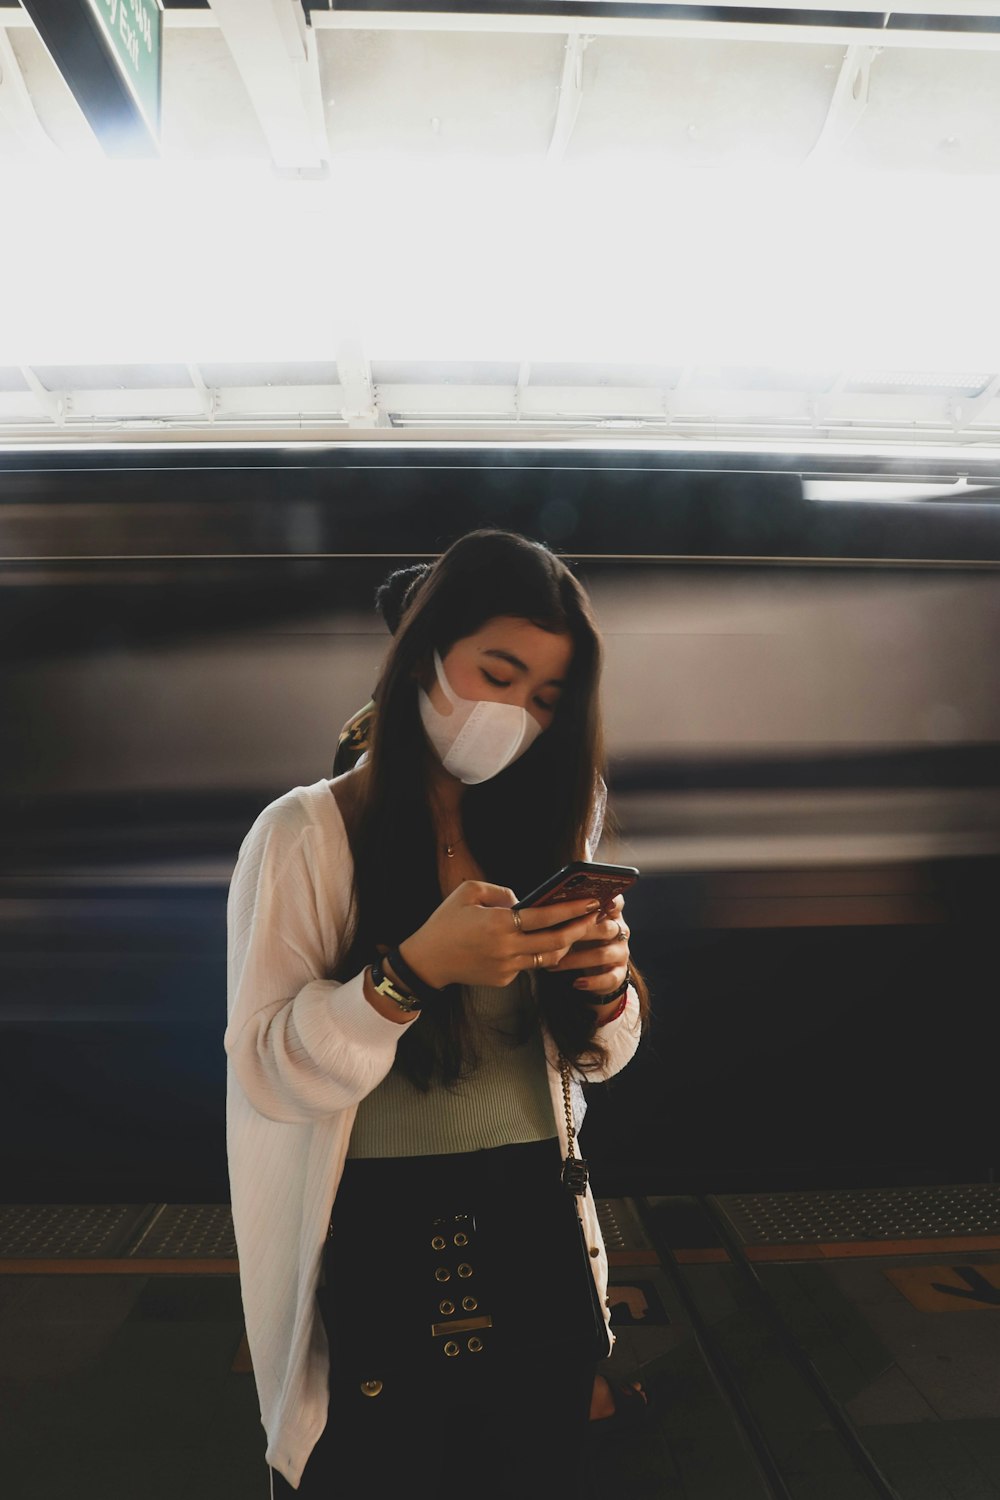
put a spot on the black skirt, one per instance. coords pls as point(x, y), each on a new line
point(460, 1312)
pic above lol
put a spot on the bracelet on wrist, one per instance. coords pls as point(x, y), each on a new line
point(619, 994)
point(384, 986)
point(425, 993)
point(619, 1010)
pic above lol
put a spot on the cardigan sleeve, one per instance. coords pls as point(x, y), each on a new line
point(620, 1037)
point(301, 1046)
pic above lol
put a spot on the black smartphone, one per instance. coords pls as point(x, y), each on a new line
point(579, 881)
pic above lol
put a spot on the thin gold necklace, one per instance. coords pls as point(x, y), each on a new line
point(449, 846)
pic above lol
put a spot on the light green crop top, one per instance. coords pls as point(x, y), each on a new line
point(504, 1102)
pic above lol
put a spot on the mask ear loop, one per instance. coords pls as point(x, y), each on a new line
point(446, 686)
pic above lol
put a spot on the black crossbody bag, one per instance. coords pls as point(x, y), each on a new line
point(575, 1176)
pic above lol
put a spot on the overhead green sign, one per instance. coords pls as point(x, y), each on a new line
point(133, 31)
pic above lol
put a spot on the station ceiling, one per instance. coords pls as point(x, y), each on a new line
point(826, 101)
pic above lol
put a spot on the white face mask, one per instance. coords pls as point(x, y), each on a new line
point(477, 739)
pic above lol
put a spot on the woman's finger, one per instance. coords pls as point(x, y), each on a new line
point(482, 893)
point(606, 942)
point(539, 960)
point(598, 984)
point(612, 929)
point(609, 956)
point(549, 941)
point(538, 918)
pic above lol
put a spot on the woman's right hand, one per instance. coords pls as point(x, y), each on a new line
point(472, 937)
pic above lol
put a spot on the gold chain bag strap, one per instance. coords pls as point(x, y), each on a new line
point(575, 1176)
point(575, 1172)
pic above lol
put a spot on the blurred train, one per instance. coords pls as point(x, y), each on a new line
point(804, 737)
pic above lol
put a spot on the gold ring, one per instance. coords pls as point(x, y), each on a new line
point(621, 933)
point(517, 918)
point(538, 960)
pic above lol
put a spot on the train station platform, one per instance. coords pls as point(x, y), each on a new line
point(814, 1345)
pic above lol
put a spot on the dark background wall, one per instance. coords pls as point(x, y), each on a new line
point(804, 733)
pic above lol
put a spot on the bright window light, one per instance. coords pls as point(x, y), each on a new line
point(889, 492)
point(139, 263)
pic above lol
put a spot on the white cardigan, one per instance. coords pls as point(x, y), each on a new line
point(303, 1052)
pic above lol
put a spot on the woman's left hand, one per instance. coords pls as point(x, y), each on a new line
point(602, 962)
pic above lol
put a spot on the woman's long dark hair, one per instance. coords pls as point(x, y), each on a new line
point(519, 826)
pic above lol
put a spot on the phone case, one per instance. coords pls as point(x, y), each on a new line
point(580, 881)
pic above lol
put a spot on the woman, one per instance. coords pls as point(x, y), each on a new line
point(417, 1299)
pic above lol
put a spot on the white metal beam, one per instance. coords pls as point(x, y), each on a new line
point(966, 410)
point(208, 398)
point(16, 106)
point(358, 402)
point(582, 412)
point(184, 19)
point(172, 406)
point(274, 49)
point(657, 26)
point(52, 403)
point(570, 97)
point(523, 376)
point(847, 103)
point(973, 8)
point(935, 440)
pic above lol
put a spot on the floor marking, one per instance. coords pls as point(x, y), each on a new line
point(955, 1288)
point(636, 1304)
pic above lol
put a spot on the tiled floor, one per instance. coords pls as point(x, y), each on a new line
point(922, 1387)
point(123, 1386)
point(120, 1387)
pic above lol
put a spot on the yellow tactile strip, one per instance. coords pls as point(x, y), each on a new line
point(839, 1250)
point(861, 1249)
point(36, 1233)
point(189, 1230)
point(127, 1267)
point(622, 1230)
point(864, 1215)
point(197, 1240)
point(707, 1255)
point(188, 1239)
point(54, 1231)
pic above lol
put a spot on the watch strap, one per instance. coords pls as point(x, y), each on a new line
point(384, 986)
point(425, 993)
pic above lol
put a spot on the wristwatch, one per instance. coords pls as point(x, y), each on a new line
point(384, 986)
